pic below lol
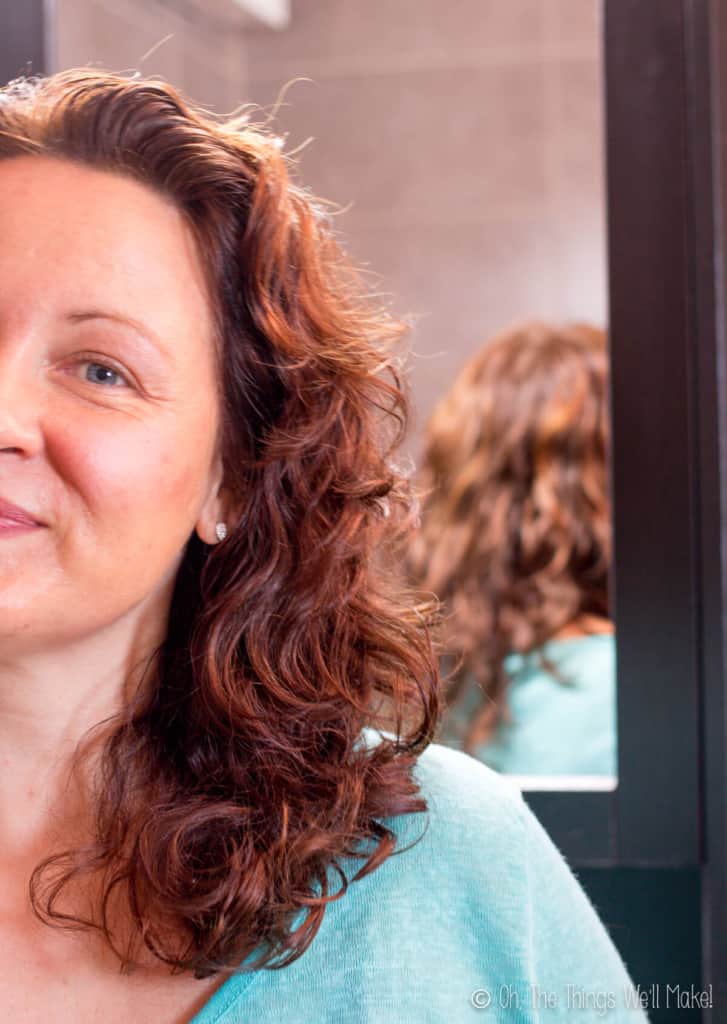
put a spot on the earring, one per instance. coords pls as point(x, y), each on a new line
point(221, 531)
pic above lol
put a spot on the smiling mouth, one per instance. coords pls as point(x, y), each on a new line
point(12, 515)
point(10, 525)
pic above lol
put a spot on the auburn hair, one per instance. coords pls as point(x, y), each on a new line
point(515, 535)
point(236, 781)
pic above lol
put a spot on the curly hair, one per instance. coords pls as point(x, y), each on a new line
point(233, 784)
point(515, 537)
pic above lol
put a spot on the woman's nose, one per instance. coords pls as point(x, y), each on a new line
point(20, 408)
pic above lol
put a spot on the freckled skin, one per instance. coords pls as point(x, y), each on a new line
point(121, 472)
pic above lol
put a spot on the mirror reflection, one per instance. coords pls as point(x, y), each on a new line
point(515, 539)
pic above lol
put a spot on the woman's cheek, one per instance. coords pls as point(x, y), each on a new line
point(141, 479)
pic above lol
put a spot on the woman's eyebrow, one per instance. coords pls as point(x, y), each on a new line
point(144, 331)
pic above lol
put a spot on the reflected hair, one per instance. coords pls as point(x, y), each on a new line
point(235, 783)
point(515, 536)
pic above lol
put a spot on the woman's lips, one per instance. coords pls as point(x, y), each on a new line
point(13, 516)
point(9, 528)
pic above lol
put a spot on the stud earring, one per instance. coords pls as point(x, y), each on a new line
point(221, 531)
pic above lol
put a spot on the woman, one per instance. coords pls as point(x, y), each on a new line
point(215, 707)
point(516, 540)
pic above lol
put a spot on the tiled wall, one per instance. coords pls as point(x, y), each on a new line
point(466, 135)
point(199, 47)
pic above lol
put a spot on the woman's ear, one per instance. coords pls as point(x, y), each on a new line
point(212, 525)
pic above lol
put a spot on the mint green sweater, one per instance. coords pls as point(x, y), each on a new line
point(483, 910)
point(557, 728)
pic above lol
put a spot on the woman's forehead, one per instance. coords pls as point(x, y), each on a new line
point(93, 239)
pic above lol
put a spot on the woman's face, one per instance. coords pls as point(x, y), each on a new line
point(108, 401)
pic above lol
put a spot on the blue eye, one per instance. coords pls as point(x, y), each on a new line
point(99, 373)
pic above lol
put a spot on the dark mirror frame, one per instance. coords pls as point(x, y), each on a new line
point(662, 92)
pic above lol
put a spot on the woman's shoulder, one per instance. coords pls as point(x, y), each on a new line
point(463, 860)
point(452, 777)
point(449, 773)
point(475, 900)
point(467, 801)
point(462, 793)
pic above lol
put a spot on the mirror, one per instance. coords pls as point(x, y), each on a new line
point(466, 153)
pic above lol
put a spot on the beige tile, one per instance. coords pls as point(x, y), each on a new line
point(579, 258)
point(574, 27)
point(214, 72)
point(349, 32)
point(203, 81)
point(207, 64)
point(576, 128)
point(577, 187)
point(460, 284)
point(117, 38)
point(445, 147)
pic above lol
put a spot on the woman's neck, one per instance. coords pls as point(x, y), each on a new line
point(50, 701)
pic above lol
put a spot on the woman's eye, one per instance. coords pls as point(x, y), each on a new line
point(100, 373)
